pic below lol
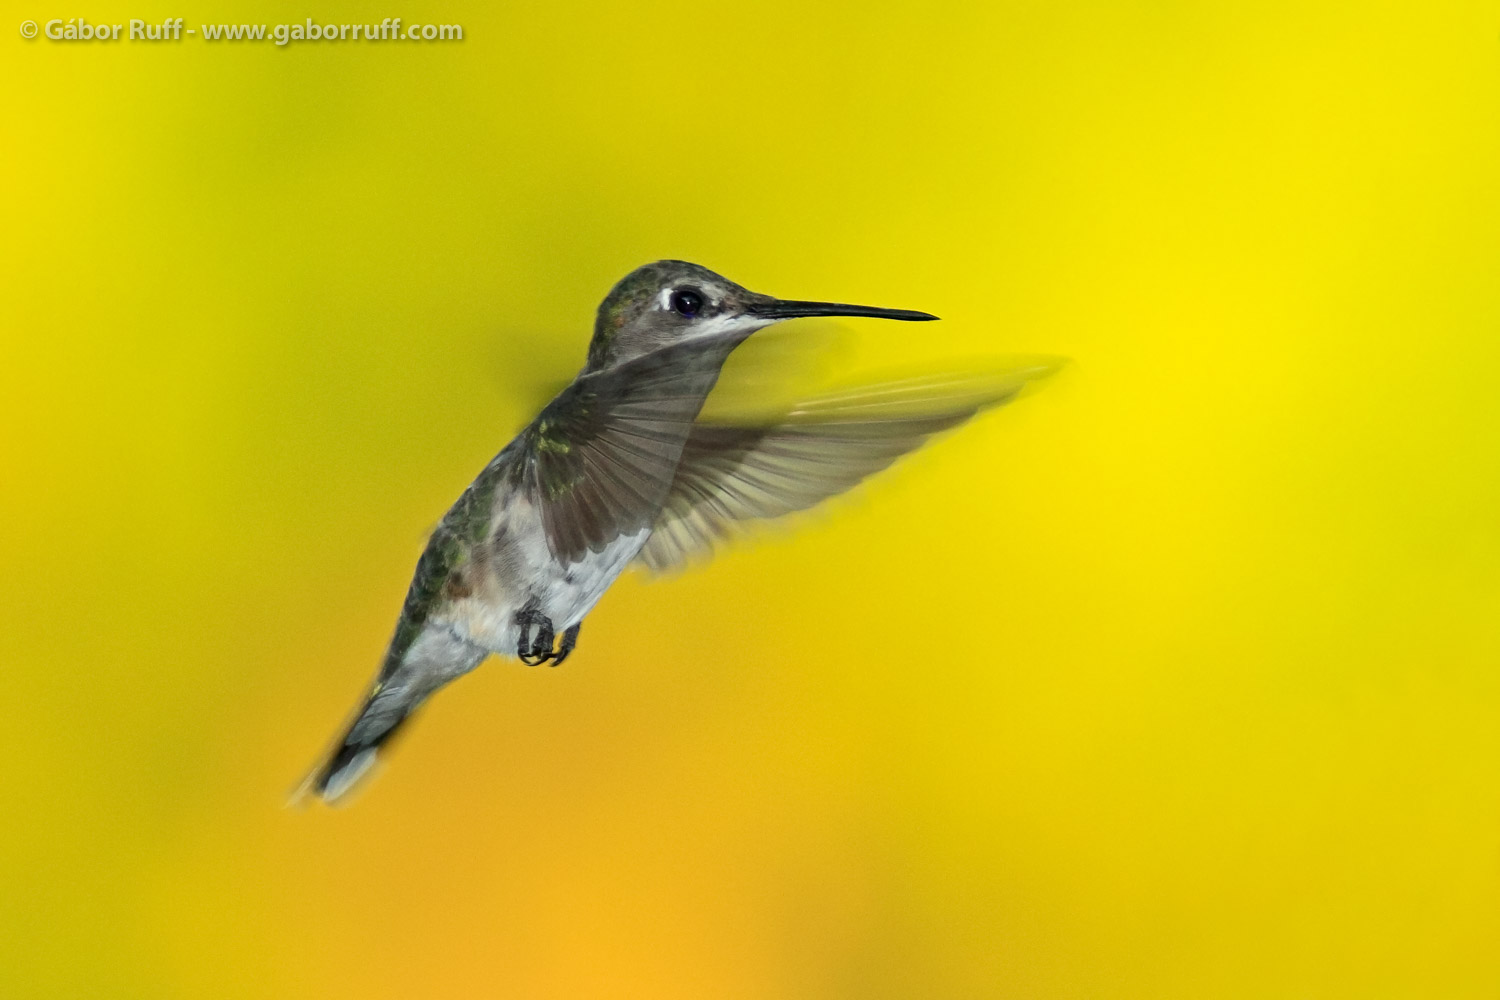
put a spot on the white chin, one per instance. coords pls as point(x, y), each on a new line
point(721, 325)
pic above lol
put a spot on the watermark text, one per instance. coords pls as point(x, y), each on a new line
point(390, 29)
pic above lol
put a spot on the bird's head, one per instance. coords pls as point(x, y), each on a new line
point(671, 301)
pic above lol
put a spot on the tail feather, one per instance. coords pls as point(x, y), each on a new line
point(413, 671)
point(350, 759)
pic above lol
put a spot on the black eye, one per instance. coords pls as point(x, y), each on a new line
point(686, 302)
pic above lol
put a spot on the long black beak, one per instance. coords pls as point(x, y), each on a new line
point(791, 309)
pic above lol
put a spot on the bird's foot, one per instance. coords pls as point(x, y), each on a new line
point(539, 649)
point(569, 640)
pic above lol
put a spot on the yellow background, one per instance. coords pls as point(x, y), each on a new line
point(1177, 679)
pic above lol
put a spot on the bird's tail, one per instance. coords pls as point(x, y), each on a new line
point(379, 718)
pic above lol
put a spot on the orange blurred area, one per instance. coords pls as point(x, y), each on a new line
point(1175, 679)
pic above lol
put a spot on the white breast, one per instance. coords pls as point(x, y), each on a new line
point(521, 565)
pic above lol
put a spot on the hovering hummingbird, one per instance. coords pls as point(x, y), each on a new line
point(620, 469)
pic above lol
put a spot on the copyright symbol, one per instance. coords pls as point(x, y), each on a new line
point(28, 29)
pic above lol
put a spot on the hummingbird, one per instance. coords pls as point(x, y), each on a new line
point(622, 469)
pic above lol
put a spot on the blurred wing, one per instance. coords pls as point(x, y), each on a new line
point(599, 460)
point(732, 473)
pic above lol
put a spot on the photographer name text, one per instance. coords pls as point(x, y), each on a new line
point(80, 30)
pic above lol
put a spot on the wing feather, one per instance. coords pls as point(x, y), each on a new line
point(600, 459)
point(731, 474)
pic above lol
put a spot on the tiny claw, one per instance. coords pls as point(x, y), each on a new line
point(569, 640)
